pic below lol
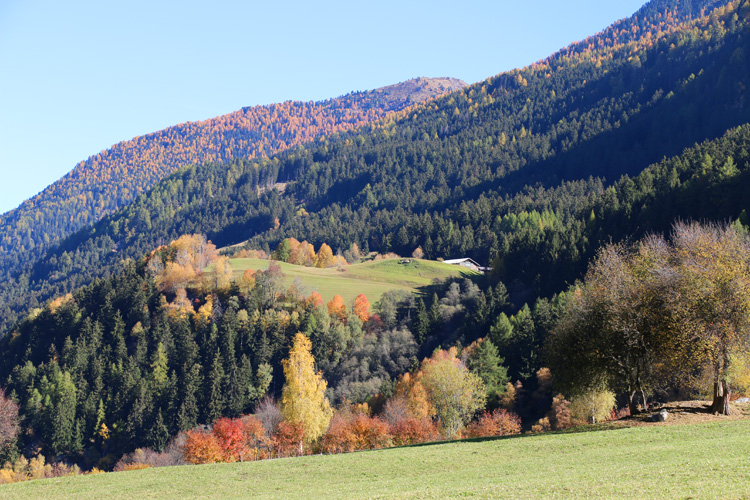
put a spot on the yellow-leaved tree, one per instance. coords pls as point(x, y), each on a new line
point(303, 399)
point(324, 257)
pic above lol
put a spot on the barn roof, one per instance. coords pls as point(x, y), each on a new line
point(461, 261)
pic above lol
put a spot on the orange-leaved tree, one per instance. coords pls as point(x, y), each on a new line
point(498, 423)
point(255, 436)
point(288, 438)
point(336, 308)
point(314, 301)
point(361, 307)
point(202, 447)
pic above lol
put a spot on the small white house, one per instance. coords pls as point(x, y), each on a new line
point(466, 262)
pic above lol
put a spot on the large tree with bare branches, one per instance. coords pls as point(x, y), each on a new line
point(659, 310)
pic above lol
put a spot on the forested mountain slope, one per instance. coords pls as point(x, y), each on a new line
point(444, 176)
point(114, 177)
point(129, 353)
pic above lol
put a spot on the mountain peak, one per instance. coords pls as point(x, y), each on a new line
point(420, 89)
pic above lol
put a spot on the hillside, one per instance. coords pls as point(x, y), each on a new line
point(533, 170)
point(123, 323)
point(690, 461)
point(548, 138)
point(370, 278)
point(116, 176)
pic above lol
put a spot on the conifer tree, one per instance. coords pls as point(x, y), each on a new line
point(215, 403)
point(421, 324)
point(158, 434)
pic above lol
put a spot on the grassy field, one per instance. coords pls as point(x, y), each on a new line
point(709, 460)
point(371, 278)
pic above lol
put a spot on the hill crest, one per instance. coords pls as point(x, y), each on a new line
point(114, 177)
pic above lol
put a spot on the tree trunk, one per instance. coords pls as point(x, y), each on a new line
point(721, 398)
point(644, 400)
point(631, 403)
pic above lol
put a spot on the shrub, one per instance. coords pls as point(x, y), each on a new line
point(410, 430)
point(202, 447)
point(36, 468)
point(498, 423)
point(339, 438)
point(287, 440)
point(559, 416)
point(255, 436)
point(352, 432)
point(542, 425)
point(232, 440)
point(133, 467)
point(592, 406)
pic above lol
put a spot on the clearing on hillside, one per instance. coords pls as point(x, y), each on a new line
point(373, 278)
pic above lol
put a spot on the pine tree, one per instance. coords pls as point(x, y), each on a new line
point(421, 324)
point(488, 365)
point(158, 434)
point(436, 318)
point(215, 401)
point(187, 416)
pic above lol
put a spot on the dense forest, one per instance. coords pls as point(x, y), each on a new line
point(148, 359)
point(116, 176)
point(445, 175)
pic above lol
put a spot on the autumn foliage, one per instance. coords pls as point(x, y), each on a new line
point(230, 434)
point(337, 308)
point(287, 440)
point(303, 400)
point(410, 430)
point(361, 307)
point(202, 447)
point(351, 431)
point(314, 301)
point(498, 423)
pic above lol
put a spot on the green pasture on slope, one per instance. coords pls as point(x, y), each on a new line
point(372, 278)
point(656, 461)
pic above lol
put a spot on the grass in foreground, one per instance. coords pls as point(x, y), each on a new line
point(372, 278)
point(653, 461)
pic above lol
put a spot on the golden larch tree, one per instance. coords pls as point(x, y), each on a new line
point(303, 399)
point(324, 257)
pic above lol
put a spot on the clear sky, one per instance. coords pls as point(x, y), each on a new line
point(77, 77)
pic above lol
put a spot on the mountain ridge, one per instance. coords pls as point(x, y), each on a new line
point(115, 176)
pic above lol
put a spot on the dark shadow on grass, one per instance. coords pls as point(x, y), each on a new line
point(606, 426)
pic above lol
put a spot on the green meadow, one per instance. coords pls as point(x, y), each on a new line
point(710, 460)
point(372, 278)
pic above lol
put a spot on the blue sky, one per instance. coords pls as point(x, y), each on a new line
point(78, 77)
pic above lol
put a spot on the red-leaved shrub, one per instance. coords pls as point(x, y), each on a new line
point(287, 440)
point(231, 436)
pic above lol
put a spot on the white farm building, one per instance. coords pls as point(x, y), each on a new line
point(466, 262)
